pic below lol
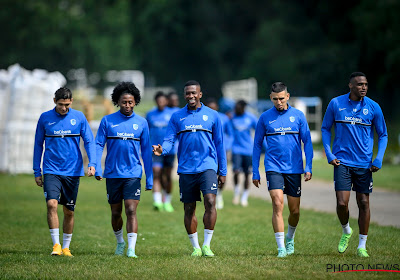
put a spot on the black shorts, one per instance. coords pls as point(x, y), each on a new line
point(190, 185)
point(345, 177)
point(64, 189)
point(242, 163)
point(163, 161)
point(289, 183)
point(122, 188)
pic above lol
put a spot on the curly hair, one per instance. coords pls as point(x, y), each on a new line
point(125, 88)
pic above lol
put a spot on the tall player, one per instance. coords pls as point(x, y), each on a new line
point(354, 117)
point(60, 130)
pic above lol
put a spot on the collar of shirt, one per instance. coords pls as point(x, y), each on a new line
point(362, 100)
point(283, 111)
point(125, 116)
point(194, 111)
point(58, 114)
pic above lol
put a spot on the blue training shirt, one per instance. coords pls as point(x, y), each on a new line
point(242, 126)
point(354, 134)
point(61, 135)
point(200, 136)
point(158, 123)
point(227, 129)
point(124, 135)
point(284, 131)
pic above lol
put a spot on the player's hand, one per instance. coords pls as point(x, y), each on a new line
point(256, 183)
point(373, 168)
point(307, 176)
point(99, 178)
point(91, 171)
point(221, 180)
point(157, 150)
point(335, 162)
point(39, 181)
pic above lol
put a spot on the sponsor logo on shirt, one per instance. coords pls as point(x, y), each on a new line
point(51, 123)
point(135, 126)
point(62, 131)
point(353, 119)
point(160, 123)
point(73, 122)
point(193, 126)
point(124, 134)
point(365, 111)
point(281, 129)
point(292, 119)
point(205, 117)
point(341, 109)
point(114, 125)
point(181, 119)
point(272, 121)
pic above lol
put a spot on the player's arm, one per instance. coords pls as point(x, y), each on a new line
point(38, 151)
point(90, 146)
point(381, 130)
point(305, 136)
point(145, 147)
point(218, 138)
point(327, 123)
point(101, 139)
point(257, 147)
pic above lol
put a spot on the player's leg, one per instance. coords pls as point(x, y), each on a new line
point(52, 190)
point(236, 164)
point(166, 182)
point(293, 193)
point(157, 195)
point(220, 199)
point(246, 167)
point(68, 227)
point(275, 183)
point(131, 195)
point(342, 180)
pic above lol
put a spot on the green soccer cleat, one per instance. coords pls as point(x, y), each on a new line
point(344, 241)
point(361, 252)
point(119, 251)
point(131, 253)
point(196, 252)
point(158, 206)
point(168, 207)
point(207, 251)
point(282, 253)
point(289, 246)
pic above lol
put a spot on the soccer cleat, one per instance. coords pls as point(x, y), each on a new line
point(196, 252)
point(56, 250)
point(207, 251)
point(120, 249)
point(344, 241)
point(236, 200)
point(361, 252)
point(168, 207)
point(244, 203)
point(66, 252)
point(158, 206)
point(131, 253)
point(282, 252)
point(220, 202)
point(289, 246)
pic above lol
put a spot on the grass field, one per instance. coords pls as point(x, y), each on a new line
point(243, 242)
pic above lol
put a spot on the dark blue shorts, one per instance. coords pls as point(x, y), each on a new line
point(242, 163)
point(289, 183)
point(163, 161)
point(190, 185)
point(345, 177)
point(122, 188)
point(64, 189)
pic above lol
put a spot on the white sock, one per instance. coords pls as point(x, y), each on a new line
point(157, 197)
point(346, 228)
point(208, 233)
point(167, 198)
point(55, 235)
point(237, 190)
point(291, 232)
point(194, 240)
point(219, 192)
point(66, 240)
point(362, 240)
point(280, 239)
point(132, 237)
point(119, 235)
point(245, 195)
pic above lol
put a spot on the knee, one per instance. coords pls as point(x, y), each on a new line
point(115, 215)
point(295, 213)
point(342, 205)
point(277, 206)
point(52, 205)
point(363, 204)
point(68, 213)
point(130, 211)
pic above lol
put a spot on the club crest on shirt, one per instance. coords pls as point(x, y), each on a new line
point(205, 117)
point(135, 126)
point(292, 119)
point(365, 111)
point(73, 122)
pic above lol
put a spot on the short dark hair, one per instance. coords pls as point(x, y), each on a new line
point(171, 93)
point(192, 83)
point(356, 74)
point(63, 93)
point(159, 94)
point(125, 88)
point(278, 87)
point(211, 100)
point(242, 103)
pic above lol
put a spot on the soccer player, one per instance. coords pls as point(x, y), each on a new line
point(284, 128)
point(127, 136)
point(60, 130)
point(173, 101)
point(227, 129)
point(200, 155)
point(354, 117)
point(243, 123)
point(158, 119)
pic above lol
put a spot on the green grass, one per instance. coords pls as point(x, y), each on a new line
point(243, 241)
point(387, 178)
